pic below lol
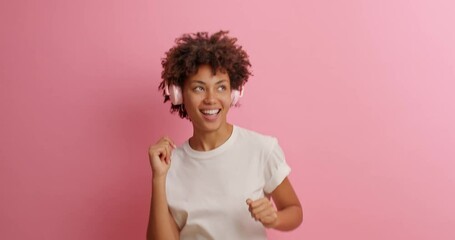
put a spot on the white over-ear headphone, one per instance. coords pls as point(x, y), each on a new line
point(175, 94)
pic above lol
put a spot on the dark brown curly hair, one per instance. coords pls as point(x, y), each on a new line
point(218, 50)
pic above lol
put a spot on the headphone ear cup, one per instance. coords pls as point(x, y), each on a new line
point(235, 96)
point(175, 94)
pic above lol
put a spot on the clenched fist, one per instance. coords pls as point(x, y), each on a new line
point(160, 156)
point(263, 210)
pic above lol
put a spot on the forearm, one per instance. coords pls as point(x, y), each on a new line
point(161, 224)
point(289, 218)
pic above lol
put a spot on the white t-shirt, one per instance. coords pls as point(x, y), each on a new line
point(207, 190)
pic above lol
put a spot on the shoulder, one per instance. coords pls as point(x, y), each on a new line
point(256, 138)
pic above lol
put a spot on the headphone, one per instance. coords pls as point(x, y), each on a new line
point(175, 94)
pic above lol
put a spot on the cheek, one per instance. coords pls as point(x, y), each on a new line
point(227, 101)
point(187, 98)
point(190, 102)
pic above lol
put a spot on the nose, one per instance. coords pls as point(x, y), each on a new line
point(209, 97)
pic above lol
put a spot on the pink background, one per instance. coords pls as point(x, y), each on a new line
point(359, 93)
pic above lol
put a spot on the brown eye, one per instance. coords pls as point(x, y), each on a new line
point(222, 88)
point(198, 89)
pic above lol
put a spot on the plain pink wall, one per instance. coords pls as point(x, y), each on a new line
point(359, 93)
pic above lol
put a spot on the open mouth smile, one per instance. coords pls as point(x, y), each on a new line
point(210, 114)
point(210, 111)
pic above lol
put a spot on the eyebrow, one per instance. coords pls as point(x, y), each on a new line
point(203, 83)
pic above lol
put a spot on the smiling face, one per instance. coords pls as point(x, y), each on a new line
point(207, 99)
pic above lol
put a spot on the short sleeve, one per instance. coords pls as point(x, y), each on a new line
point(276, 168)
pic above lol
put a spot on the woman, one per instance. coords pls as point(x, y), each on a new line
point(221, 182)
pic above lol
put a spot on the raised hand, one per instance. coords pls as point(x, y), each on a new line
point(160, 156)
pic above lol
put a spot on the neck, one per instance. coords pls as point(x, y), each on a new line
point(206, 141)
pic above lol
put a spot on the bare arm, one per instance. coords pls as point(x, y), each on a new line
point(161, 223)
point(290, 214)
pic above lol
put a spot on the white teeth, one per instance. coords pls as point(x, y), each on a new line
point(210, 112)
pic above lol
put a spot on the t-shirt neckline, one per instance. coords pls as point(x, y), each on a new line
point(214, 152)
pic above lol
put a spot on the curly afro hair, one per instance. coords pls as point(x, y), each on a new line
point(218, 50)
